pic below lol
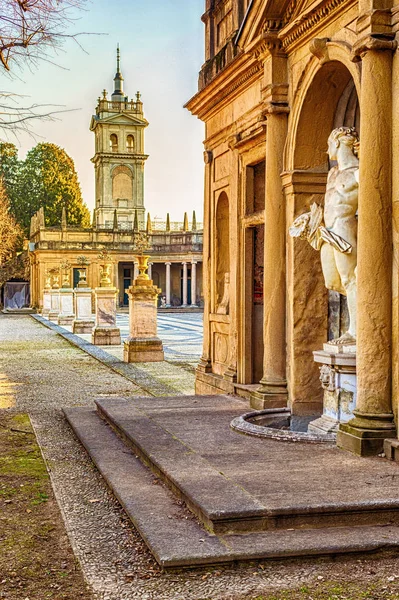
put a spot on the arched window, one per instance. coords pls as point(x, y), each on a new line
point(113, 142)
point(130, 143)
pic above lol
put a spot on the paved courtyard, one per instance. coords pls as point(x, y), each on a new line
point(181, 334)
point(41, 373)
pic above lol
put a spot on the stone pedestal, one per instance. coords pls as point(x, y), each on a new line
point(143, 345)
point(66, 314)
point(105, 332)
point(46, 303)
point(338, 379)
point(83, 322)
point(54, 304)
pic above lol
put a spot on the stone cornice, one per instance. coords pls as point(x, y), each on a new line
point(234, 77)
point(116, 156)
point(309, 19)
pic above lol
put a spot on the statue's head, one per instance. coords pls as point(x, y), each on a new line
point(347, 136)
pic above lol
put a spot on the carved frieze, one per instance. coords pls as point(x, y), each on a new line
point(298, 25)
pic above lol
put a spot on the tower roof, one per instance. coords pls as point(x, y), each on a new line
point(118, 94)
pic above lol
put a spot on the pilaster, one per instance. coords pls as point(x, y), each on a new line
point(273, 385)
point(373, 419)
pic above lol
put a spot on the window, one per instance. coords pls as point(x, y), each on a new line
point(113, 142)
point(130, 143)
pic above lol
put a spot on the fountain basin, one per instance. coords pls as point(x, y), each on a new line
point(275, 423)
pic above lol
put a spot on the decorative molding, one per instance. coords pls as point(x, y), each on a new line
point(375, 44)
point(268, 44)
point(308, 20)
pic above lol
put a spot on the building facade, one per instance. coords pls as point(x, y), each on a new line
point(279, 76)
point(175, 248)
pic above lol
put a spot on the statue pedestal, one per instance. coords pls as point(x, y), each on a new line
point(83, 322)
point(66, 314)
point(338, 379)
point(46, 303)
point(54, 304)
point(143, 345)
point(105, 332)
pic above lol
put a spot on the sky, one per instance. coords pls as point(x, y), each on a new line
point(161, 43)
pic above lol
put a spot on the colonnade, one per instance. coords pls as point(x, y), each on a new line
point(168, 286)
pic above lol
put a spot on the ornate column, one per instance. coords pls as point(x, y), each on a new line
point(150, 270)
point(273, 385)
point(194, 283)
point(184, 299)
point(167, 291)
point(373, 420)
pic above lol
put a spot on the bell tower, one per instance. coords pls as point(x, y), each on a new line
point(119, 158)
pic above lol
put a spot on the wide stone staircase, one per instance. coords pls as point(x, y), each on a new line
point(200, 493)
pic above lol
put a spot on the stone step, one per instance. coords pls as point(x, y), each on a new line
point(177, 540)
point(222, 505)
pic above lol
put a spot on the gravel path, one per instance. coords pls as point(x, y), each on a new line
point(40, 373)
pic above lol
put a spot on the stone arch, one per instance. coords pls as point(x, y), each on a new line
point(222, 245)
point(318, 105)
point(122, 183)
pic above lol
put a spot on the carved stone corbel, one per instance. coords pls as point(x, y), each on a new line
point(275, 108)
point(318, 47)
point(208, 156)
point(373, 43)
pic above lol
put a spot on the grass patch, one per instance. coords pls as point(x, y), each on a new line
point(36, 560)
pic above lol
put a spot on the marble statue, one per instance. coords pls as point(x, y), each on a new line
point(334, 231)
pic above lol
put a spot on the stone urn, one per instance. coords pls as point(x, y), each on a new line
point(142, 261)
point(82, 277)
point(105, 273)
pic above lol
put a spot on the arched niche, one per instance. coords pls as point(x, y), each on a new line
point(326, 98)
point(327, 101)
point(222, 245)
point(122, 183)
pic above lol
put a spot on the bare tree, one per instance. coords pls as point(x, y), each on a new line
point(31, 30)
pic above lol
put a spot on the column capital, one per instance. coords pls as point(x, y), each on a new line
point(269, 44)
point(194, 262)
point(374, 44)
point(168, 263)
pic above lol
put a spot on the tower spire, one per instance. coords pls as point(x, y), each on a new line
point(118, 94)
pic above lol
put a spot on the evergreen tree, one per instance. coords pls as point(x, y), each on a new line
point(48, 178)
point(10, 171)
